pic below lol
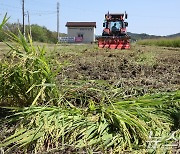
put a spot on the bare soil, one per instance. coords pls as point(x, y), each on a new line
point(141, 66)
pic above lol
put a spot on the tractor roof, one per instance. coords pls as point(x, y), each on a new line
point(114, 16)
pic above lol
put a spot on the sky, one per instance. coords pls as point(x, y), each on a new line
point(154, 17)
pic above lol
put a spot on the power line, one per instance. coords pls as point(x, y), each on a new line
point(41, 11)
point(7, 5)
point(32, 10)
point(41, 14)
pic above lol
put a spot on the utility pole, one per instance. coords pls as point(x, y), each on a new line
point(18, 24)
point(23, 14)
point(58, 21)
point(29, 25)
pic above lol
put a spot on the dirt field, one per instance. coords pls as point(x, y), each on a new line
point(142, 66)
point(147, 67)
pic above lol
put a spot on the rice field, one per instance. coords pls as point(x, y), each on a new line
point(80, 99)
point(164, 42)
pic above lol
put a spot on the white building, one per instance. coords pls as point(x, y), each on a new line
point(82, 31)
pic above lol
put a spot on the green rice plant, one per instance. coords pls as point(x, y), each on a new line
point(147, 58)
point(116, 127)
point(4, 21)
point(166, 42)
point(27, 75)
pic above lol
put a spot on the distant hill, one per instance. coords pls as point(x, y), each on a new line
point(135, 36)
point(174, 35)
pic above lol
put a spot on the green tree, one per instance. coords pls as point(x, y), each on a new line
point(39, 33)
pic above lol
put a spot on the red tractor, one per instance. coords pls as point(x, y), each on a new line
point(114, 35)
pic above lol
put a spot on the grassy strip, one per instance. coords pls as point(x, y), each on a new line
point(175, 42)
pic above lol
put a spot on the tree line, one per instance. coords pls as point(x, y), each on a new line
point(38, 33)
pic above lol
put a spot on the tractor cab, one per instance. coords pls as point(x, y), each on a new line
point(114, 25)
point(114, 33)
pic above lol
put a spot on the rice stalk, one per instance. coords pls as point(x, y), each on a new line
point(23, 72)
point(4, 21)
point(122, 127)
